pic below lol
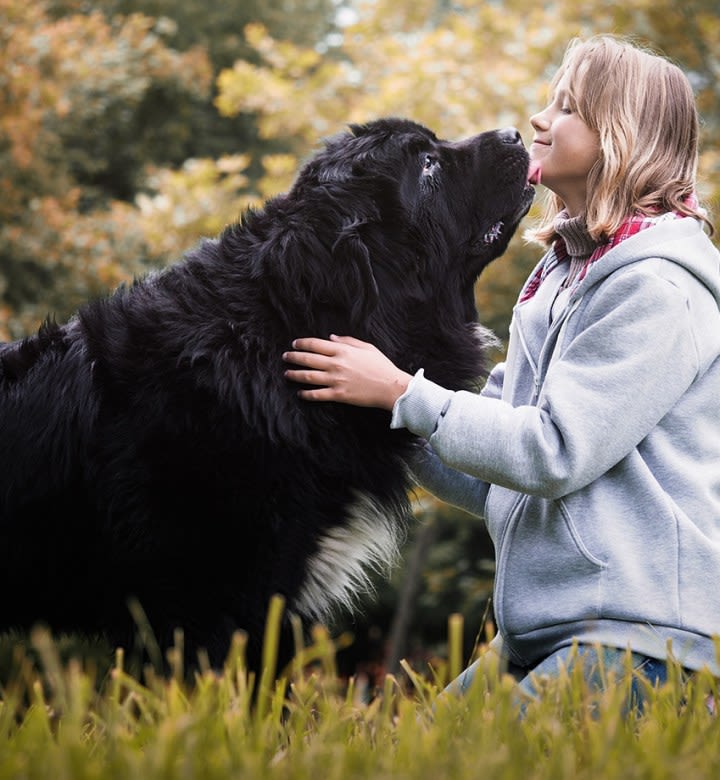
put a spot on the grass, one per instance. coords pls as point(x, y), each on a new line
point(310, 725)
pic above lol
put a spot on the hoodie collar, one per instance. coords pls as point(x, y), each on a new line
point(575, 242)
point(679, 240)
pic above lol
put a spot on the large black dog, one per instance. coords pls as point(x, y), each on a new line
point(151, 446)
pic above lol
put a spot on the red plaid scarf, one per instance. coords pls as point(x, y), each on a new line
point(632, 225)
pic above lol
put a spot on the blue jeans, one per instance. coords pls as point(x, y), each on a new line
point(600, 665)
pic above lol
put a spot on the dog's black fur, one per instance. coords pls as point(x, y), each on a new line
point(151, 446)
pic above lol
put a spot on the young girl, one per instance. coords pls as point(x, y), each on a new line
point(593, 452)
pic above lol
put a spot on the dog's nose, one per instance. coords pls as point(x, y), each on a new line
point(510, 135)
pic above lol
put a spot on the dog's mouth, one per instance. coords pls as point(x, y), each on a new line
point(495, 232)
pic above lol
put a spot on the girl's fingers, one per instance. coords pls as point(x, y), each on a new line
point(320, 394)
point(318, 346)
point(351, 341)
point(329, 346)
point(309, 359)
point(307, 377)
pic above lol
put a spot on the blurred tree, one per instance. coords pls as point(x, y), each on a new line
point(127, 97)
point(217, 27)
point(93, 98)
point(63, 238)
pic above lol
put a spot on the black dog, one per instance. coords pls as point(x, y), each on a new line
point(151, 447)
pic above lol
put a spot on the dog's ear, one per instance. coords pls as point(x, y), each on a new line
point(305, 272)
point(358, 129)
point(346, 153)
point(350, 251)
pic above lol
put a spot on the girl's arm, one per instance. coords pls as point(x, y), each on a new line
point(606, 392)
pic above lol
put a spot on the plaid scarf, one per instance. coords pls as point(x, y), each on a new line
point(632, 225)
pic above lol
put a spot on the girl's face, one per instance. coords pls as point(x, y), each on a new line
point(566, 149)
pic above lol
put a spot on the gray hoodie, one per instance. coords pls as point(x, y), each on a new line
point(593, 453)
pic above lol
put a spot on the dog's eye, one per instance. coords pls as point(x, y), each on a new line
point(429, 164)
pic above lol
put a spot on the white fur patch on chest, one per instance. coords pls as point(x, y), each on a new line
point(338, 573)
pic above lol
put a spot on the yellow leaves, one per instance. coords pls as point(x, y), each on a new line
point(23, 97)
point(90, 49)
point(465, 74)
point(198, 200)
point(76, 63)
point(80, 243)
point(280, 171)
point(246, 87)
point(60, 78)
point(249, 88)
point(282, 56)
point(285, 92)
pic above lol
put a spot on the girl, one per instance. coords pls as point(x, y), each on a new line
point(593, 452)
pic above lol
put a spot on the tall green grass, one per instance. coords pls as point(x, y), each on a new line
point(311, 725)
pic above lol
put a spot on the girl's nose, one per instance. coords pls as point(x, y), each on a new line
point(539, 121)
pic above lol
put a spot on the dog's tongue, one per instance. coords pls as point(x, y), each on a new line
point(534, 172)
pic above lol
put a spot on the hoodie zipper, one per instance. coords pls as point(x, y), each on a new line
point(528, 357)
point(552, 340)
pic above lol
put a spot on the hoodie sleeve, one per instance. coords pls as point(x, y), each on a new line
point(631, 361)
point(447, 483)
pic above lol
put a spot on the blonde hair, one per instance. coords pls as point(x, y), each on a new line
point(643, 108)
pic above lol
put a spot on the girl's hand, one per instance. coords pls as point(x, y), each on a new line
point(346, 370)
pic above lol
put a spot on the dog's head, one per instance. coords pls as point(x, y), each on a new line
point(388, 217)
point(461, 201)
